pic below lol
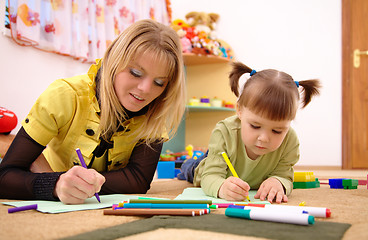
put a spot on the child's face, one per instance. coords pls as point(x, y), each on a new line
point(261, 135)
point(140, 83)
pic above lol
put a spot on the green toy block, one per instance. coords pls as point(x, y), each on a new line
point(350, 183)
point(304, 185)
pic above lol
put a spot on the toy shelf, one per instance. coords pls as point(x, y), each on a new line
point(191, 59)
point(209, 109)
point(205, 75)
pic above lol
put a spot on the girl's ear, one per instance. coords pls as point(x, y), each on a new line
point(238, 110)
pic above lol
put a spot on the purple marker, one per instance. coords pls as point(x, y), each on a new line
point(81, 159)
point(24, 208)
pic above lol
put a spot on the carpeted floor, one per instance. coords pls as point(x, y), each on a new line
point(347, 206)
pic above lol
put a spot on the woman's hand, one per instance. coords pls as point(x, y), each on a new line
point(78, 184)
point(234, 189)
point(271, 189)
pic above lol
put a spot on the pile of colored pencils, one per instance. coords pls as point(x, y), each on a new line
point(150, 207)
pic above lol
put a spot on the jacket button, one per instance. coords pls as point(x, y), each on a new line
point(90, 132)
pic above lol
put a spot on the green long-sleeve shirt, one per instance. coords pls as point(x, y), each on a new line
point(226, 137)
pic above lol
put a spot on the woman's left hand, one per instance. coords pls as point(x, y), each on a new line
point(271, 189)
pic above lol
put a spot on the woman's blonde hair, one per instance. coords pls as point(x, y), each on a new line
point(270, 93)
point(165, 112)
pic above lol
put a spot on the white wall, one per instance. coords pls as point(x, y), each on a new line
point(302, 38)
point(26, 72)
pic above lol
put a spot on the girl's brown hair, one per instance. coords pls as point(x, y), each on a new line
point(270, 93)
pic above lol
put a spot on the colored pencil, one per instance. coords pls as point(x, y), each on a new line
point(232, 169)
point(150, 212)
point(164, 205)
point(169, 201)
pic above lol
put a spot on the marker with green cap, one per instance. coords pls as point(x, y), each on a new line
point(263, 214)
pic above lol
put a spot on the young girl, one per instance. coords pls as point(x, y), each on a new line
point(118, 115)
point(258, 140)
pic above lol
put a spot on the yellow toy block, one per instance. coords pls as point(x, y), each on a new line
point(304, 177)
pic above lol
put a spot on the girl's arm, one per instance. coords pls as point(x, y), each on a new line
point(137, 176)
point(16, 179)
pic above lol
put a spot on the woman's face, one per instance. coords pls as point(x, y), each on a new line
point(141, 82)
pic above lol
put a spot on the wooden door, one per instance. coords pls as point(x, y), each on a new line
point(354, 84)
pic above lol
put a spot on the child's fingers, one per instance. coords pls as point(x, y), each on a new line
point(262, 192)
point(233, 189)
point(241, 188)
point(241, 184)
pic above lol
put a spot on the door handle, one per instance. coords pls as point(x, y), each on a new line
point(357, 54)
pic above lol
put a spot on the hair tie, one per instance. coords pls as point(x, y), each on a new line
point(297, 83)
point(252, 72)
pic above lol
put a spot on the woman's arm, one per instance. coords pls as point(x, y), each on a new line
point(16, 179)
point(137, 176)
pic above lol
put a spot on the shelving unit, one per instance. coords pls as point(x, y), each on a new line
point(205, 76)
point(208, 109)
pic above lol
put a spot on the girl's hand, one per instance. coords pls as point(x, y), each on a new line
point(271, 189)
point(78, 184)
point(234, 189)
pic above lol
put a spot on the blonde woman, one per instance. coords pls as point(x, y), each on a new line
point(118, 115)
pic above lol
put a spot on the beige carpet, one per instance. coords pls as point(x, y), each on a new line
point(347, 206)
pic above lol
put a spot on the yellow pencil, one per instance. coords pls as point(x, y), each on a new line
point(227, 160)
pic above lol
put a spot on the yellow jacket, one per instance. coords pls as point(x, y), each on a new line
point(65, 117)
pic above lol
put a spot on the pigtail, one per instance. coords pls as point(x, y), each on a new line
point(310, 89)
point(235, 74)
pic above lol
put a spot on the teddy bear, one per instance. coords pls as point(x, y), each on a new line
point(203, 22)
point(197, 34)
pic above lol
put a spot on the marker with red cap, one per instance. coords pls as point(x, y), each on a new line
point(313, 211)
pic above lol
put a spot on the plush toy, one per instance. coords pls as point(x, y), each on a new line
point(8, 121)
point(198, 36)
point(203, 22)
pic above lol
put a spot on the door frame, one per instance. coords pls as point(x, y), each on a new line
point(347, 50)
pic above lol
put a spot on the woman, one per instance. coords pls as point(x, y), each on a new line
point(118, 114)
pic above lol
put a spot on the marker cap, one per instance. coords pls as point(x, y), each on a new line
point(328, 212)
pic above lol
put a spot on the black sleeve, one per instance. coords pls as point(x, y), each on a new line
point(16, 180)
point(137, 176)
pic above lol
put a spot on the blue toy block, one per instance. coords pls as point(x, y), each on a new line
point(336, 183)
point(166, 169)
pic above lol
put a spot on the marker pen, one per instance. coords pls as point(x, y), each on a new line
point(297, 210)
point(263, 214)
point(23, 208)
point(314, 211)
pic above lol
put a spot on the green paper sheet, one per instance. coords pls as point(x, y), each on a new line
point(90, 203)
point(197, 193)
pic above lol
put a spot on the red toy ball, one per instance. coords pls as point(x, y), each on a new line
point(8, 121)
